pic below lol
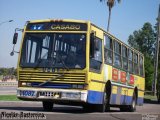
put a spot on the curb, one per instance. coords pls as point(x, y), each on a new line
point(29, 102)
point(8, 84)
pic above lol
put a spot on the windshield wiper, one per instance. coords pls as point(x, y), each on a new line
point(51, 79)
point(60, 75)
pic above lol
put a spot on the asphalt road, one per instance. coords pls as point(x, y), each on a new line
point(61, 112)
point(8, 90)
point(149, 111)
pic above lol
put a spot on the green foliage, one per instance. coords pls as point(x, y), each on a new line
point(149, 72)
point(144, 41)
point(159, 65)
point(8, 71)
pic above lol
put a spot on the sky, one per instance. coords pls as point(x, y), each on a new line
point(128, 16)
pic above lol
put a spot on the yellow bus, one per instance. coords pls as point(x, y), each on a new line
point(75, 62)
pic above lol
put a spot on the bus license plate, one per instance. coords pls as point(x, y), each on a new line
point(28, 93)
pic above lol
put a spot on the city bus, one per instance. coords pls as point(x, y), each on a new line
point(75, 62)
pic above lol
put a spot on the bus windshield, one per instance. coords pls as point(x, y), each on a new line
point(57, 50)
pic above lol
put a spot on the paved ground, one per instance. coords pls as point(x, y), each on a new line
point(8, 90)
point(149, 111)
point(76, 113)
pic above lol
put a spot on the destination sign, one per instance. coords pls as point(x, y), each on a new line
point(57, 26)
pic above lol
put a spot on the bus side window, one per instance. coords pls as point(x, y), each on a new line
point(117, 54)
point(108, 50)
point(130, 57)
point(96, 59)
point(141, 66)
point(136, 71)
point(125, 56)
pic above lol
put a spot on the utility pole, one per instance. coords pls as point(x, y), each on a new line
point(157, 52)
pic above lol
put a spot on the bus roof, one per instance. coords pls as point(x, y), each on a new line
point(58, 20)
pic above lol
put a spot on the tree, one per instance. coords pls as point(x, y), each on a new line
point(110, 4)
point(8, 71)
point(144, 41)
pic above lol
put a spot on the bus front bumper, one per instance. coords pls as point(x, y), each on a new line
point(41, 94)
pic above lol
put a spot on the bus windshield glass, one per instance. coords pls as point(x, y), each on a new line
point(56, 50)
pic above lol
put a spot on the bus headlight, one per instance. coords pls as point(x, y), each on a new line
point(75, 86)
point(27, 84)
point(71, 95)
point(24, 83)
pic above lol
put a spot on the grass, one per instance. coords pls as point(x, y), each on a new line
point(14, 97)
point(8, 98)
point(151, 97)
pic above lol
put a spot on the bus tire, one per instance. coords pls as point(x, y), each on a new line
point(88, 108)
point(123, 108)
point(105, 105)
point(47, 106)
point(132, 107)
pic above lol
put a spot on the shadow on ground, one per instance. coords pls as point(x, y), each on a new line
point(59, 109)
point(150, 101)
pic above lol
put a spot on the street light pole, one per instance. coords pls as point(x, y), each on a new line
point(157, 52)
point(6, 22)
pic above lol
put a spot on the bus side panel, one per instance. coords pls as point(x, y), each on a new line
point(127, 96)
point(96, 88)
point(140, 83)
point(121, 95)
point(140, 99)
point(95, 97)
point(113, 98)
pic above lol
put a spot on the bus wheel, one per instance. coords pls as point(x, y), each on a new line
point(132, 107)
point(88, 108)
point(47, 106)
point(123, 108)
point(105, 105)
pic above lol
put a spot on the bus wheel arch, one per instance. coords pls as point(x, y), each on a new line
point(136, 93)
point(105, 106)
point(108, 89)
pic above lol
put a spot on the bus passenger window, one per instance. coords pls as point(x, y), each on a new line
point(117, 54)
point(136, 63)
point(96, 60)
point(98, 50)
point(108, 54)
point(141, 66)
point(125, 60)
point(130, 57)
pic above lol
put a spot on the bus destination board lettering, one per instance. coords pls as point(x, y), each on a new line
point(57, 26)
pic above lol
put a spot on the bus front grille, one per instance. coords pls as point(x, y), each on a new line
point(72, 78)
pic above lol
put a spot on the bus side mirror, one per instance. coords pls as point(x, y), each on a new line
point(15, 37)
point(92, 38)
